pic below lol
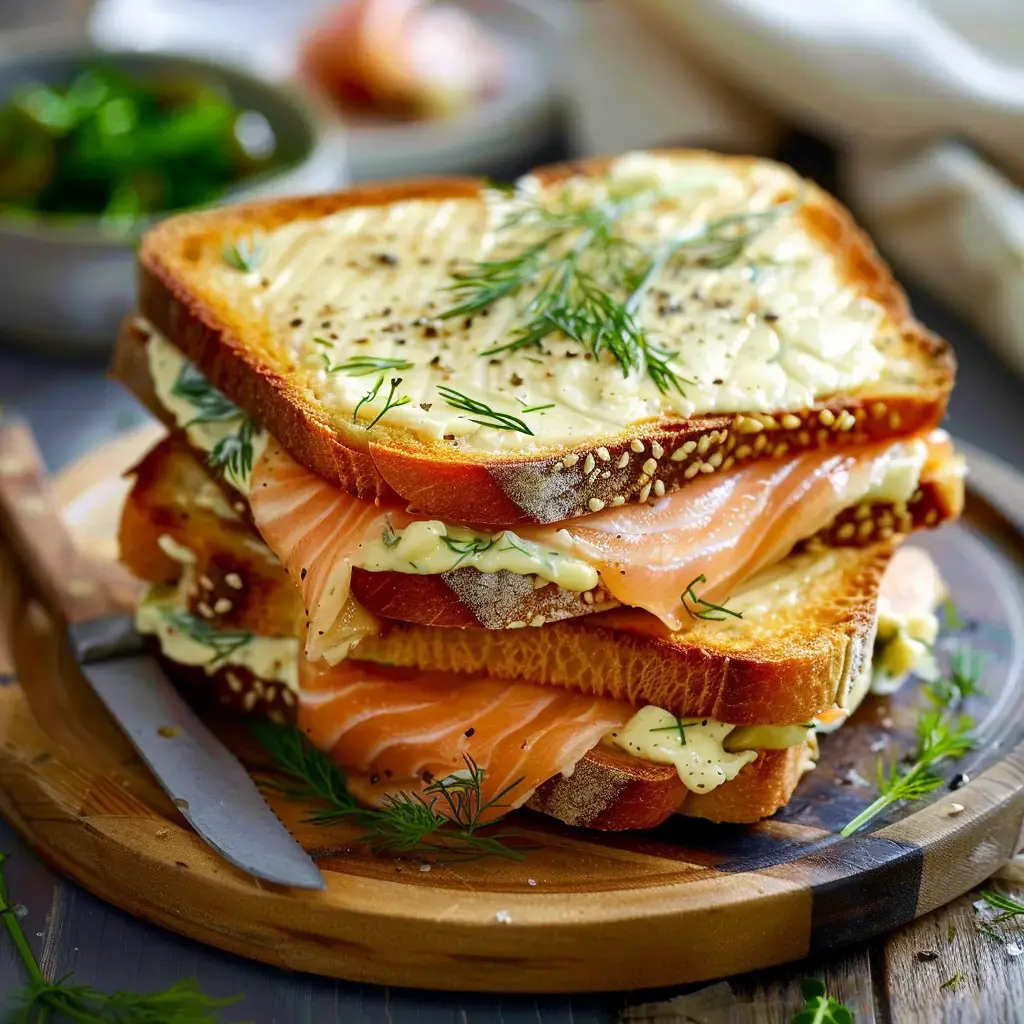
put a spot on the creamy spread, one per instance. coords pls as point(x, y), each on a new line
point(166, 367)
point(694, 746)
point(774, 328)
point(430, 546)
point(272, 659)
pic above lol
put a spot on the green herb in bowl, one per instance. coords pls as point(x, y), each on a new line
point(122, 147)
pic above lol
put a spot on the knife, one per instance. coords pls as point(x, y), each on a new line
point(207, 783)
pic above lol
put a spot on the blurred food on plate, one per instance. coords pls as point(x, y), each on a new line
point(120, 146)
point(409, 59)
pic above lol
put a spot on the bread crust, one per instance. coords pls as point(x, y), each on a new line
point(502, 489)
point(785, 665)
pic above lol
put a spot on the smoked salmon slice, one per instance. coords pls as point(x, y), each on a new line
point(725, 527)
point(398, 730)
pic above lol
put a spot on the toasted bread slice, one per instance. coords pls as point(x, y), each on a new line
point(172, 497)
point(613, 792)
point(176, 516)
point(806, 633)
point(244, 332)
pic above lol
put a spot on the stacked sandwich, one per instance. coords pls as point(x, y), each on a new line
point(592, 483)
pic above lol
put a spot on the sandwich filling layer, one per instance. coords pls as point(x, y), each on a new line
point(441, 316)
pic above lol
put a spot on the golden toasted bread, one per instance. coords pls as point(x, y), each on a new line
point(248, 340)
point(806, 633)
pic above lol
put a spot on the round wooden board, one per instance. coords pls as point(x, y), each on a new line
point(582, 912)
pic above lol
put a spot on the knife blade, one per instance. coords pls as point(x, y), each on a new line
point(206, 782)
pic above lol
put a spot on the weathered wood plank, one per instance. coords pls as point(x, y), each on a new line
point(991, 980)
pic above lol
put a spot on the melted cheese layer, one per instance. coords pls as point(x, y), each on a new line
point(776, 328)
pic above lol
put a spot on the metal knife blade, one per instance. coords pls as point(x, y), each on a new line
point(207, 783)
point(205, 780)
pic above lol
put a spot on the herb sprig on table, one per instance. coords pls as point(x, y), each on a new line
point(942, 735)
point(819, 1007)
point(41, 1001)
point(408, 823)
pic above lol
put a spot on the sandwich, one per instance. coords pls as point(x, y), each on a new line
point(598, 483)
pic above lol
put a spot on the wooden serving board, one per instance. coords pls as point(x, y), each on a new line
point(688, 902)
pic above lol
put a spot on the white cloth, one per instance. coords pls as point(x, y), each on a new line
point(924, 99)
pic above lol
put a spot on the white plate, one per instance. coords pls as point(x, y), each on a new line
point(265, 36)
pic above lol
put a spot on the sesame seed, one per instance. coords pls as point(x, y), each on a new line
point(803, 438)
point(730, 461)
point(749, 425)
point(607, 473)
point(287, 697)
point(703, 445)
point(234, 581)
point(706, 467)
point(206, 583)
point(595, 504)
point(222, 606)
point(770, 423)
point(743, 451)
point(679, 454)
point(650, 467)
point(637, 446)
point(234, 683)
point(822, 436)
point(602, 454)
point(588, 597)
point(931, 517)
point(617, 500)
point(885, 532)
point(760, 443)
point(866, 528)
point(895, 419)
point(692, 470)
point(878, 410)
point(570, 460)
point(270, 694)
point(826, 417)
point(659, 487)
point(537, 620)
point(623, 461)
point(790, 422)
point(781, 449)
point(645, 493)
point(715, 460)
point(846, 531)
point(558, 466)
point(845, 420)
point(588, 463)
point(205, 610)
point(955, 809)
point(516, 625)
point(656, 450)
point(249, 701)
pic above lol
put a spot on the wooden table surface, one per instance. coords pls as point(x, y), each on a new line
point(897, 978)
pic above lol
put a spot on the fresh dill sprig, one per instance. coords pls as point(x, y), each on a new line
point(408, 823)
point(363, 366)
point(677, 726)
point(953, 983)
point(211, 405)
point(243, 254)
point(698, 608)
point(41, 1001)
point(953, 618)
point(389, 536)
point(939, 739)
point(1010, 907)
point(234, 453)
point(467, 547)
point(538, 408)
point(390, 402)
point(819, 1007)
point(491, 417)
point(221, 642)
point(590, 279)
